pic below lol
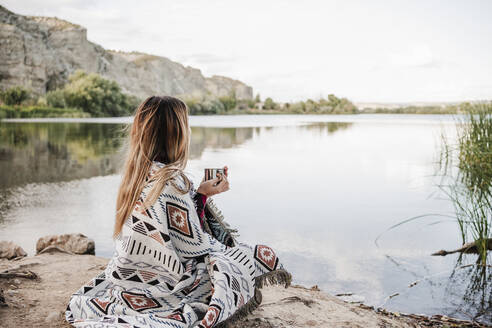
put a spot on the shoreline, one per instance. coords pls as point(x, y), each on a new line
point(41, 302)
point(239, 113)
point(261, 120)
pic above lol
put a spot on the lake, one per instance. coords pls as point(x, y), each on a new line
point(319, 189)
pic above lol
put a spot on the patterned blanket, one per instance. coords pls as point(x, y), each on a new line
point(171, 270)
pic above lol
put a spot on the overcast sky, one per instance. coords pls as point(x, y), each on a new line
point(368, 51)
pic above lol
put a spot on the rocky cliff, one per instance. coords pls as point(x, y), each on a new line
point(41, 52)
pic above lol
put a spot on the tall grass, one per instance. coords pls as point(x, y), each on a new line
point(39, 111)
point(467, 171)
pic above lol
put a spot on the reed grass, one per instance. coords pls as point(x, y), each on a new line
point(466, 169)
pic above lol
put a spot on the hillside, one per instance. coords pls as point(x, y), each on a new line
point(41, 52)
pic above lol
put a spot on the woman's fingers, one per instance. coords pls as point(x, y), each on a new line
point(215, 181)
point(215, 186)
point(224, 184)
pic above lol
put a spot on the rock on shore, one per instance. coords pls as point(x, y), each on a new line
point(9, 250)
point(75, 243)
point(41, 302)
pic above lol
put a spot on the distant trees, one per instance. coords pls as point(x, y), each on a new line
point(448, 109)
point(341, 105)
point(270, 104)
point(204, 106)
point(209, 104)
point(230, 104)
point(89, 93)
point(97, 96)
point(330, 105)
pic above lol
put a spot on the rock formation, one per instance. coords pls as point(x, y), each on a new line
point(41, 52)
point(75, 243)
point(9, 250)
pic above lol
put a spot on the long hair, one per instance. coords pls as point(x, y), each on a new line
point(160, 132)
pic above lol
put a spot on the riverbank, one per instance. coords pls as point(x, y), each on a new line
point(47, 113)
point(15, 112)
point(23, 112)
point(41, 302)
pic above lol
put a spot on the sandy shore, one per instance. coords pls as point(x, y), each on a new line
point(41, 302)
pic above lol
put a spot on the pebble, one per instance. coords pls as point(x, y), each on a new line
point(17, 281)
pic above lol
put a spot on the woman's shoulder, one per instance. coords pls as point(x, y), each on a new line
point(154, 167)
point(179, 180)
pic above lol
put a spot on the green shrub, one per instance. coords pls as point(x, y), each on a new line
point(213, 106)
point(341, 105)
point(87, 92)
point(251, 103)
point(56, 98)
point(97, 96)
point(14, 96)
point(270, 104)
point(297, 108)
point(41, 102)
point(229, 101)
point(311, 106)
point(204, 106)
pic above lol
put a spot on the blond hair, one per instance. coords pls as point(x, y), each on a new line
point(159, 132)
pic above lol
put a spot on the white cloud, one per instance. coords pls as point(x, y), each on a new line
point(367, 51)
point(416, 56)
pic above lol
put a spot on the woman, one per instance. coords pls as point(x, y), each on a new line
point(176, 264)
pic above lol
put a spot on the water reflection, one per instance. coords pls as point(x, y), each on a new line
point(474, 297)
point(54, 152)
point(217, 138)
point(49, 152)
point(327, 127)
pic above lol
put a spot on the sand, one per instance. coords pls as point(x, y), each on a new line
point(41, 302)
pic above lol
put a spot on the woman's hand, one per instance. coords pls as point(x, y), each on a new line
point(215, 186)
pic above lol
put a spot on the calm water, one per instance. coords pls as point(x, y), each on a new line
point(319, 189)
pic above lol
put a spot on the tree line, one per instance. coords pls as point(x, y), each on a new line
point(90, 95)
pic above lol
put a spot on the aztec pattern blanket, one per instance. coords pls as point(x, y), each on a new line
point(170, 269)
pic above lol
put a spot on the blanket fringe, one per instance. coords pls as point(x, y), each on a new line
point(243, 311)
point(276, 277)
point(218, 216)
